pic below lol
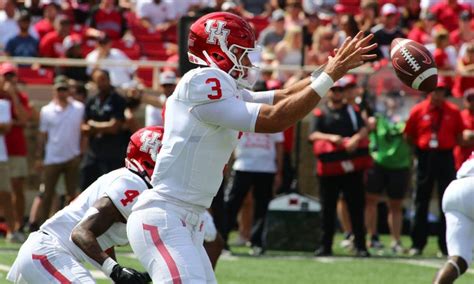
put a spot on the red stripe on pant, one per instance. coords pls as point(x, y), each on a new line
point(155, 237)
point(51, 269)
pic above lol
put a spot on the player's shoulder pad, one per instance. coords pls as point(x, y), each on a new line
point(204, 85)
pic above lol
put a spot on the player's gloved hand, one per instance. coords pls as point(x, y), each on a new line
point(125, 275)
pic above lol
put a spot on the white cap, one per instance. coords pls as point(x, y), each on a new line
point(167, 78)
point(389, 9)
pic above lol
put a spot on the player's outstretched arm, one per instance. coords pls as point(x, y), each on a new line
point(352, 53)
point(98, 220)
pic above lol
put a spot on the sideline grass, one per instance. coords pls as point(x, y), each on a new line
point(296, 268)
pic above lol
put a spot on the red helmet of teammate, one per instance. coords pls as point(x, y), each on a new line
point(223, 40)
point(142, 150)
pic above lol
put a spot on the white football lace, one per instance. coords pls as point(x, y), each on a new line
point(410, 59)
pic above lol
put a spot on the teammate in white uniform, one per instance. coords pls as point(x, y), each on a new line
point(93, 223)
point(458, 206)
point(202, 121)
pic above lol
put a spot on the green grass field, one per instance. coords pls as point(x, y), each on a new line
point(296, 267)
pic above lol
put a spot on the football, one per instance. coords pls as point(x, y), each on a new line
point(414, 64)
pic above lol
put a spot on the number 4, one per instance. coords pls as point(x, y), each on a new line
point(130, 195)
point(216, 88)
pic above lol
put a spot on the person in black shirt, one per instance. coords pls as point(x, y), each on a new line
point(387, 31)
point(340, 144)
point(103, 119)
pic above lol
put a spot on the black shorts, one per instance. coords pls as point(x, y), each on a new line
point(393, 181)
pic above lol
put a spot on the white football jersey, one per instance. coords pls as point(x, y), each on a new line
point(122, 187)
point(467, 168)
point(203, 118)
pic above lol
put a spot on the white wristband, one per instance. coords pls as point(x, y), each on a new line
point(108, 265)
point(322, 84)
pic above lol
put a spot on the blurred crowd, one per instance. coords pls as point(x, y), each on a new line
point(364, 144)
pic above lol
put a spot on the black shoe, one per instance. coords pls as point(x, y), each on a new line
point(362, 253)
point(320, 252)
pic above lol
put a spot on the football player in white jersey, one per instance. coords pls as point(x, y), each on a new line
point(458, 206)
point(203, 120)
point(92, 224)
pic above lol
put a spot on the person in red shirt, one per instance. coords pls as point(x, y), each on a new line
point(46, 25)
point(444, 55)
point(434, 127)
point(108, 18)
point(464, 33)
point(16, 142)
point(421, 31)
point(465, 65)
point(447, 12)
point(462, 152)
point(51, 45)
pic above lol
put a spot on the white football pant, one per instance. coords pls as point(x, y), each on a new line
point(458, 206)
point(168, 241)
point(41, 259)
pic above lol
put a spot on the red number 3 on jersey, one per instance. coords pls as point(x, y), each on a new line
point(130, 195)
point(216, 88)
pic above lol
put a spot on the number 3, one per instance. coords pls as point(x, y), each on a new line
point(130, 195)
point(216, 88)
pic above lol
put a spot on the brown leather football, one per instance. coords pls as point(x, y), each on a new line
point(414, 64)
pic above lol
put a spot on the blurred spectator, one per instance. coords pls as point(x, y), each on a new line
point(103, 119)
point(390, 174)
point(443, 53)
point(410, 14)
point(258, 165)
point(313, 6)
point(153, 112)
point(58, 144)
point(120, 76)
point(23, 44)
point(465, 65)
point(51, 45)
point(108, 18)
point(387, 30)
point(16, 141)
point(447, 12)
point(255, 7)
point(462, 152)
point(425, 6)
point(347, 27)
point(8, 24)
point(341, 148)
point(434, 127)
point(156, 14)
point(33, 7)
point(294, 14)
point(5, 195)
point(274, 33)
point(289, 50)
point(132, 105)
point(422, 30)
point(367, 18)
point(78, 91)
point(322, 47)
point(72, 49)
point(312, 22)
point(464, 32)
point(50, 11)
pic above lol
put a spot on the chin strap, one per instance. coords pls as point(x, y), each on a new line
point(134, 166)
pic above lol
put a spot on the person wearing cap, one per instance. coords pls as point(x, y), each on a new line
point(153, 110)
point(51, 44)
point(387, 30)
point(275, 32)
point(448, 11)
point(340, 145)
point(120, 76)
point(8, 23)
point(72, 49)
point(22, 112)
point(58, 146)
point(434, 127)
point(23, 44)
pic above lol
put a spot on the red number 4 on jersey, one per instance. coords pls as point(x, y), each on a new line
point(130, 195)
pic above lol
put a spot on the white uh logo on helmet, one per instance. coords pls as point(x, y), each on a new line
point(150, 143)
point(215, 31)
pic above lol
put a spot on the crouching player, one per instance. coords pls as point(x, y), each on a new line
point(93, 223)
point(458, 206)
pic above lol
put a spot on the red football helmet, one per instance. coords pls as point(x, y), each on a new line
point(223, 40)
point(142, 150)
